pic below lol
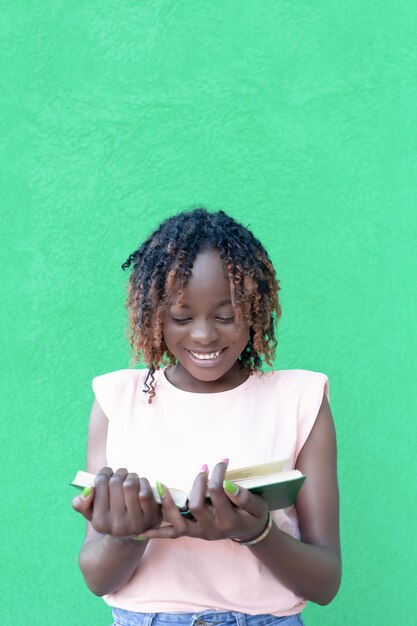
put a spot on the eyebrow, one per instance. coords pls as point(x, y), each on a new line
point(221, 303)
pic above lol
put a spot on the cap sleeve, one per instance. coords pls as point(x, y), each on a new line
point(104, 388)
point(314, 387)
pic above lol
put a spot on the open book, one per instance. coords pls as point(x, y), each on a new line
point(278, 488)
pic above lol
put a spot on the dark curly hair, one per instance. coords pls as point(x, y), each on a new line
point(164, 262)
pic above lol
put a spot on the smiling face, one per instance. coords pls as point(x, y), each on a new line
point(202, 332)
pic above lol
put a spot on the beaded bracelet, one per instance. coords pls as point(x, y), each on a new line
point(264, 534)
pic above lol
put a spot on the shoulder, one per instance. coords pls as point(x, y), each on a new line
point(114, 388)
point(309, 385)
point(295, 379)
point(120, 377)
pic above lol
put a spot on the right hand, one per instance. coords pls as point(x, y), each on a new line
point(120, 504)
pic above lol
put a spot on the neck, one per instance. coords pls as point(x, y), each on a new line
point(182, 379)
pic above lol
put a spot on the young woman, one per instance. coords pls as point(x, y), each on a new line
point(203, 306)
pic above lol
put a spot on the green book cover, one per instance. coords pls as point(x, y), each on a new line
point(282, 494)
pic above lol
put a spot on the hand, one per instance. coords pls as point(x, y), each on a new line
point(119, 504)
point(241, 516)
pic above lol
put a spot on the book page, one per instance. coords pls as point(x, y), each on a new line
point(252, 471)
point(272, 479)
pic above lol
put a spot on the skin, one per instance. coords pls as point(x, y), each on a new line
point(121, 506)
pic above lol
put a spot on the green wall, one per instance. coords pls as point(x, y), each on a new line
point(298, 118)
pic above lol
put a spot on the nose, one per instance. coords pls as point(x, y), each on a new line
point(203, 331)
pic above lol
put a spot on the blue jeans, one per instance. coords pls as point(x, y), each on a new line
point(203, 618)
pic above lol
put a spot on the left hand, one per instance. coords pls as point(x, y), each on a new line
point(241, 516)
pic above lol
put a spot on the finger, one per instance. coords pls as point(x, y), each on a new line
point(83, 502)
point(220, 501)
point(131, 491)
point(170, 511)
point(164, 532)
point(149, 506)
point(117, 498)
point(101, 489)
point(244, 499)
point(197, 502)
point(218, 474)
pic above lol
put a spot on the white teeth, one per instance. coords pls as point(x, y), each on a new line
point(206, 356)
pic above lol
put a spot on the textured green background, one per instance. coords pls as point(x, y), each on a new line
point(298, 118)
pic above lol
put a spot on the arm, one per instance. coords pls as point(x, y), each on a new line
point(110, 555)
point(311, 568)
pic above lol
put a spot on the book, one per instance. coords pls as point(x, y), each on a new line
point(267, 480)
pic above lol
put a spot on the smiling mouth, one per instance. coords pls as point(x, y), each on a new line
point(206, 356)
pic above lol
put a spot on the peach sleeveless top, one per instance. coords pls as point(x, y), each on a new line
point(268, 417)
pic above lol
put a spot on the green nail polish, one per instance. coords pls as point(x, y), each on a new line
point(230, 487)
point(86, 492)
point(139, 538)
point(160, 489)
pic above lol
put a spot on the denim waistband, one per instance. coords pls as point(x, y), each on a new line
point(203, 618)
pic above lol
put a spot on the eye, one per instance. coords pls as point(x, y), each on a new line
point(226, 320)
point(183, 320)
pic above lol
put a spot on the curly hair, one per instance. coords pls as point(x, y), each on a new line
point(163, 263)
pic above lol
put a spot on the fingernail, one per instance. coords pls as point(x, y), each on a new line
point(139, 538)
point(230, 487)
point(160, 489)
point(224, 460)
point(204, 468)
point(86, 492)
